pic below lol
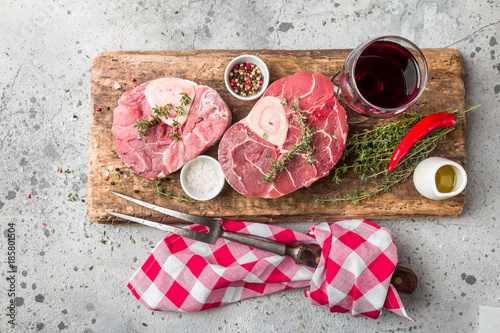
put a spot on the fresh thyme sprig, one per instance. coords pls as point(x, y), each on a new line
point(303, 146)
point(175, 135)
point(180, 111)
point(372, 150)
point(185, 99)
point(160, 192)
point(142, 125)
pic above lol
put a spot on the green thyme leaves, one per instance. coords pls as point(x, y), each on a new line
point(303, 146)
point(160, 192)
point(185, 99)
point(142, 125)
point(371, 150)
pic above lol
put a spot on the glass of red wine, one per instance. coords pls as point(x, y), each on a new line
point(383, 77)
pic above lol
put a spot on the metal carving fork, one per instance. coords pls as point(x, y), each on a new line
point(306, 254)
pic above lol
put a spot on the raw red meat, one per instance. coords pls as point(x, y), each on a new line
point(247, 150)
point(157, 153)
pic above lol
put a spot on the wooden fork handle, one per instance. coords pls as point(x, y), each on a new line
point(403, 279)
point(260, 243)
point(309, 254)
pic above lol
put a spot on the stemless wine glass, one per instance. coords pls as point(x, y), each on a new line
point(382, 77)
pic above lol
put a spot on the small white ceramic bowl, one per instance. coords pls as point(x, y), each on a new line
point(200, 196)
point(424, 178)
point(253, 60)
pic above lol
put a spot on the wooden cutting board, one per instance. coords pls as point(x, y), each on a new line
point(445, 90)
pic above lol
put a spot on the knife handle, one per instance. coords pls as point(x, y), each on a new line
point(308, 254)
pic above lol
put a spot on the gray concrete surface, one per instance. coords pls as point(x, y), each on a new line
point(68, 280)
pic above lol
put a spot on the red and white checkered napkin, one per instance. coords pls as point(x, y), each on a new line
point(358, 259)
point(354, 273)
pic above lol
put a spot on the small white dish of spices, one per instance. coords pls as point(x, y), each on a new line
point(202, 178)
point(246, 77)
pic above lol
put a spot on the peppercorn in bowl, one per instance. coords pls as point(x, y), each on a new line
point(246, 77)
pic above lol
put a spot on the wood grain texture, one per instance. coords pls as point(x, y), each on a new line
point(445, 90)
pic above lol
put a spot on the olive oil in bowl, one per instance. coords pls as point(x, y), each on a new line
point(446, 179)
point(438, 178)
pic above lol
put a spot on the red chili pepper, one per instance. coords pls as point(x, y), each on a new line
point(44, 224)
point(133, 80)
point(98, 109)
point(421, 129)
point(29, 196)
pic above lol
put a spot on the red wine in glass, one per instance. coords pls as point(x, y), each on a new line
point(382, 77)
point(387, 75)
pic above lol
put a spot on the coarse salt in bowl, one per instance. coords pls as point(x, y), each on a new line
point(202, 178)
point(253, 60)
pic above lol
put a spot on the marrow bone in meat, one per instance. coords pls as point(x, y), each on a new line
point(169, 90)
point(247, 155)
point(268, 120)
point(164, 148)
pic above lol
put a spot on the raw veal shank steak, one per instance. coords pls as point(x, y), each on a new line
point(198, 123)
point(272, 127)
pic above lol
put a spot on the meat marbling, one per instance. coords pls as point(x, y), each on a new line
point(157, 154)
point(248, 148)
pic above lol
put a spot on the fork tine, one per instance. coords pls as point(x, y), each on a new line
point(199, 236)
point(211, 223)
